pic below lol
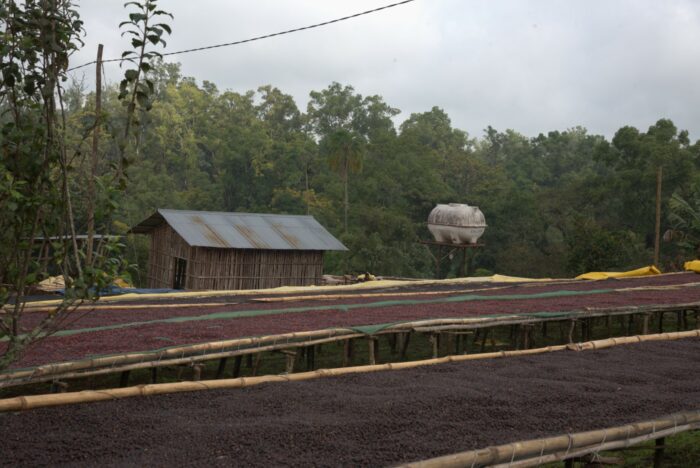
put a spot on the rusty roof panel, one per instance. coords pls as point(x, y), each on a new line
point(244, 230)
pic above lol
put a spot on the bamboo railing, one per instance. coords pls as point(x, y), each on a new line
point(189, 354)
point(86, 396)
point(536, 452)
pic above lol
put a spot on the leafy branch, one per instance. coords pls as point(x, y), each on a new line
point(136, 89)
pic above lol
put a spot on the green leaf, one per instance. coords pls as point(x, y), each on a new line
point(136, 17)
point(165, 27)
point(131, 75)
point(142, 99)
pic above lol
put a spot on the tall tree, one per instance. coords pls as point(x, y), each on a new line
point(345, 150)
point(38, 232)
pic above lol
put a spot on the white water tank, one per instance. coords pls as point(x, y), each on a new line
point(456, 223)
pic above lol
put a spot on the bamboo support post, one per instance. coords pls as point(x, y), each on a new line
point(572, 327)
point(256, 364)
point(58, 387)
point(372, 345)
point(525, 334)
point(347, 352)
point(562, 330)
point(590, 324)
point(290, 357)
point(219, 370)
point(661, 322)
point(449, 342)
point(154, 375)
point(124, 379)
point(393, 342)
point(435, 343)
point(484, 338)
point(630, 324)
point(659, 446)
point(197, 372)
point(679, 318)
point(310, 358)
point(237, 366)
point(404, 344)
point(460, 340)
point(645, 323)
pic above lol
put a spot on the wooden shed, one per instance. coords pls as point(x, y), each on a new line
point(218, 250)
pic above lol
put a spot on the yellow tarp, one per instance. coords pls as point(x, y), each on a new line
point(517, 279)
point(599, 275)
point(377, 284)
point(693, 265)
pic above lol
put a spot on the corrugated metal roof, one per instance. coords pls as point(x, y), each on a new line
point(244, 230)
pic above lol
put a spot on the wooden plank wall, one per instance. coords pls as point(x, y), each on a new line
point(166, 245)
point(219, 269)
point(253, 269)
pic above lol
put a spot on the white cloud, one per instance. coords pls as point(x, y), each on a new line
point(532, 66)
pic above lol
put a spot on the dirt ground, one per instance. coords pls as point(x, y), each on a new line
point(366, 419)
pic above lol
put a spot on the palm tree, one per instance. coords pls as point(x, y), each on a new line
point(684, 217)
point(345, 150)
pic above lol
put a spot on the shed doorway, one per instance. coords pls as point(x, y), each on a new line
point(180, 273)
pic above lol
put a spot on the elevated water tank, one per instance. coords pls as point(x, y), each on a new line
point(456, 223)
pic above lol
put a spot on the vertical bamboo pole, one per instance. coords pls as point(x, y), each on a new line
point(256, 366)
point(197, 372)
point(372, 345)
point(645, 324)
point(572, 326)
point(404, 345)
point(483, 340)
point(347, 352)
point(435, 344)
point(124, 379)
point(659, 445)
point(393, 340)
point(237, 366)
point(291, 357)
point(221, 368)
point(310, 358)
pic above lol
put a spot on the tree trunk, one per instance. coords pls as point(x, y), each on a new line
point(657, 227)
point(93, 159)
point(345, 183)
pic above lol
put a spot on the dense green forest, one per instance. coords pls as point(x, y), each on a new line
point(557, 204)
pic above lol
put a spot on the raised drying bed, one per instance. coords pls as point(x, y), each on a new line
point(378, 418)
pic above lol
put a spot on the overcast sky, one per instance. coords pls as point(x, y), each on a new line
point(529, 65)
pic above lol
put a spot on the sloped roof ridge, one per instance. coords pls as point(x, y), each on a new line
point(160, 210)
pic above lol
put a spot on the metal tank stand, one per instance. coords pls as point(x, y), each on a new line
point(437, 251)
